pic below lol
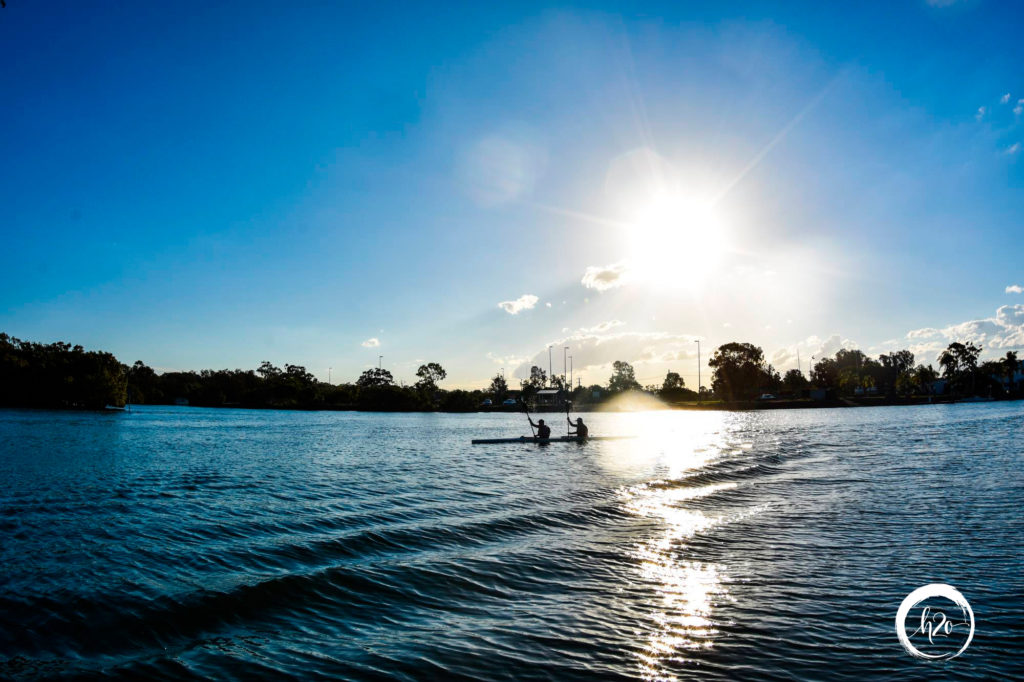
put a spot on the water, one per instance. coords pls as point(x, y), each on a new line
point(234, 544)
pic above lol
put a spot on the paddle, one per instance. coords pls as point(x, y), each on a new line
point(528, 418)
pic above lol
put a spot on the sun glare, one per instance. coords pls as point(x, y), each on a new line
point(676, 241)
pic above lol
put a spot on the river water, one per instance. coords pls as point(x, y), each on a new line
point(189, 543)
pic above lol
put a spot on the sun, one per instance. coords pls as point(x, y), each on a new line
point(675, 241)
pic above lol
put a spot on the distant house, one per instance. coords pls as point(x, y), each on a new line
point(549, 397)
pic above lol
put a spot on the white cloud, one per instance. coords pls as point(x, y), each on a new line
point(1015, 289)
point(605, 277)
point(548, 304)
point(981, 113)
point(1010, 314)
point(1004, 99)
point(524, 302)
point(1019, 109)
point(1013, 148)
point(371, 343)
point(813, 346)
point(833, 344)
point(601, 328)
point(785, 358)
point(887, 346)
point(507, 360)
point(1004, 331)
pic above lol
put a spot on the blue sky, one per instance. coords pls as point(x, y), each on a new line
point(321, 184)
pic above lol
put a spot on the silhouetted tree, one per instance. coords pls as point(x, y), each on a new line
point(143, 384)
point(374, 378)
point(856, 370)
point(673, 381)
point(896, 368)
point(430, 374)
point(794, 380)
point(460, 401)
point(498, 388)
point(738, 371)
point(268, 371)
point(538, 380)
point(58, 375)
point(623, 378)
point(673, 388)
point(959, 364)
point(924, 379)
point(1010, 366)
point(825, 374)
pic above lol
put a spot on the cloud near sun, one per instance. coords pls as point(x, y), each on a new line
point(524, 302)
point(605, 277)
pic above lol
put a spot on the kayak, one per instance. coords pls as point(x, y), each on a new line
point(529, 439)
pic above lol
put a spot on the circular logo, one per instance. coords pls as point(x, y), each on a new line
point(935, 631)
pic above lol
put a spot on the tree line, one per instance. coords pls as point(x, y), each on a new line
point(293, 387)
point(59, 375)
point(739, 372)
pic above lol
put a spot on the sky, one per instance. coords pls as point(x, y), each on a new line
point(323, 184)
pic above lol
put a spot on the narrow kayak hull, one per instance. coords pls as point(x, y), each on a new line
point(529, 439)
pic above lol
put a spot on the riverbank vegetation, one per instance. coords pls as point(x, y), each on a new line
point(59, 375)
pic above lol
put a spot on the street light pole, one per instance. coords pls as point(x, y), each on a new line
point(564, 356)
point(570, 372)
point(329, 374)
point(698, 371)
point(380, 361)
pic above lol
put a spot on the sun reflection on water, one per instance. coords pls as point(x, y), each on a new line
point(687, 590)
point(682, 620)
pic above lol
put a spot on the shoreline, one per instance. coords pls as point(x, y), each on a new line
point(712, 406)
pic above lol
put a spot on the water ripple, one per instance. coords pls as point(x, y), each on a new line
point(180, 543)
